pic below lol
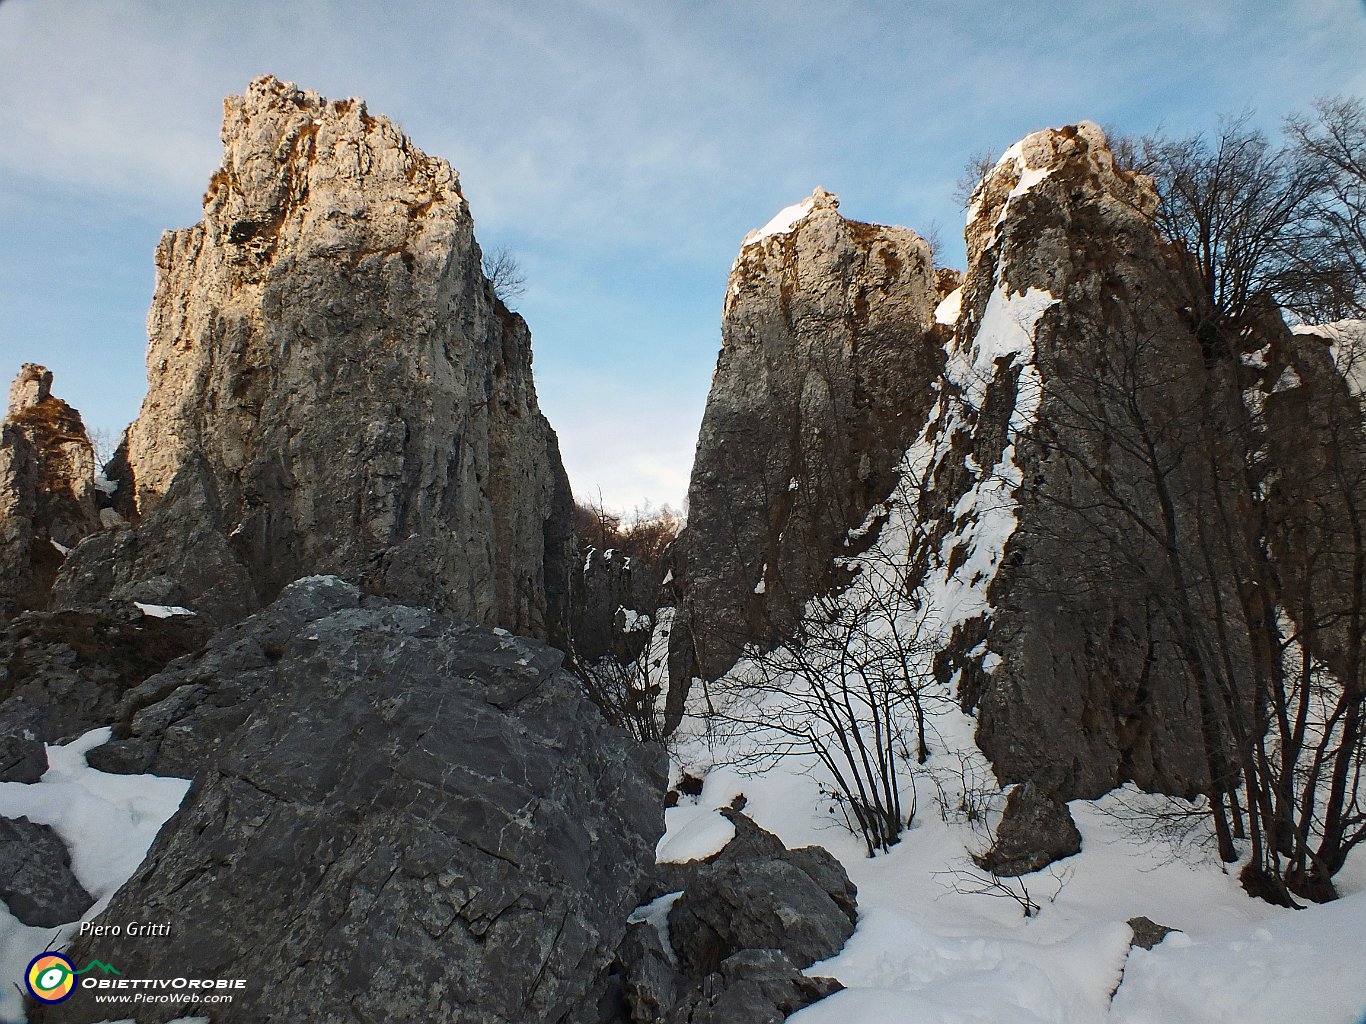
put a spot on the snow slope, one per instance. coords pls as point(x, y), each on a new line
point(940, 942)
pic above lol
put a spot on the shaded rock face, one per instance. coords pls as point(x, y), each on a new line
point(1308, 385)
point(333, 386)
point(827, 357)
point(63, 673)
point(1073, 345)
point(47, 488)
point(615, 596)
point(425, 814)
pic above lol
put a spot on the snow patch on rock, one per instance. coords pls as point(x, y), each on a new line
point(162, 611)
point(948, 311)
point(108, 823)
point(783, 221)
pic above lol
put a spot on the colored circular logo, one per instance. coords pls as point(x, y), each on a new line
point(51, 977)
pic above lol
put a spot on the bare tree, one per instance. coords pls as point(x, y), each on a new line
point(848, 686)
point(1237, 204)
point(504, 273)
point(628, 689)
point(1332, 149)
point(974, 172)
point(1231, 503)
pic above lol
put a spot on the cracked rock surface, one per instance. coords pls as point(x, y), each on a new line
point(396, 816)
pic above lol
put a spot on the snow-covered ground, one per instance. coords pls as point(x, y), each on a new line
point(930, 950)
point(939, 941)
point(927, 949)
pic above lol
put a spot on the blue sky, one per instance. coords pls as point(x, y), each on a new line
point(621, 148)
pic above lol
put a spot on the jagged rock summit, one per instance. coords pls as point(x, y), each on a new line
point(828, 350)
point(334, 386)
point(47, 486)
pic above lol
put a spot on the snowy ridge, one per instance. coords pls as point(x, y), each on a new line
point(985, 516)
point(1028, 178)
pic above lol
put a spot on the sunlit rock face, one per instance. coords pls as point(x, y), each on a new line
point(47, 487)
point(333, 385)
point(828, 351)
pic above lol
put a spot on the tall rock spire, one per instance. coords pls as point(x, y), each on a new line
point(47, 486)
point(334, 386)
point(828, 354)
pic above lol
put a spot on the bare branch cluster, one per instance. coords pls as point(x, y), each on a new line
point(1259, 218)
point(504, 273)
point(850, 686)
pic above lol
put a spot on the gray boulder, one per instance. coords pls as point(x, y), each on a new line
point(36, 881)
point(749, 917)
point(761, 986)
point(732, 906)
point(752, 843)
point(1036, 829)
point(408, 818)
point(22, 759)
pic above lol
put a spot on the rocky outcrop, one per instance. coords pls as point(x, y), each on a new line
point(334, 386)
point(615, 595)
point(734, 906)
point(827, 358)
point(425, 813)
point(1036, 830)
point(726, 937)
point(47, 488)
point(760, 986)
